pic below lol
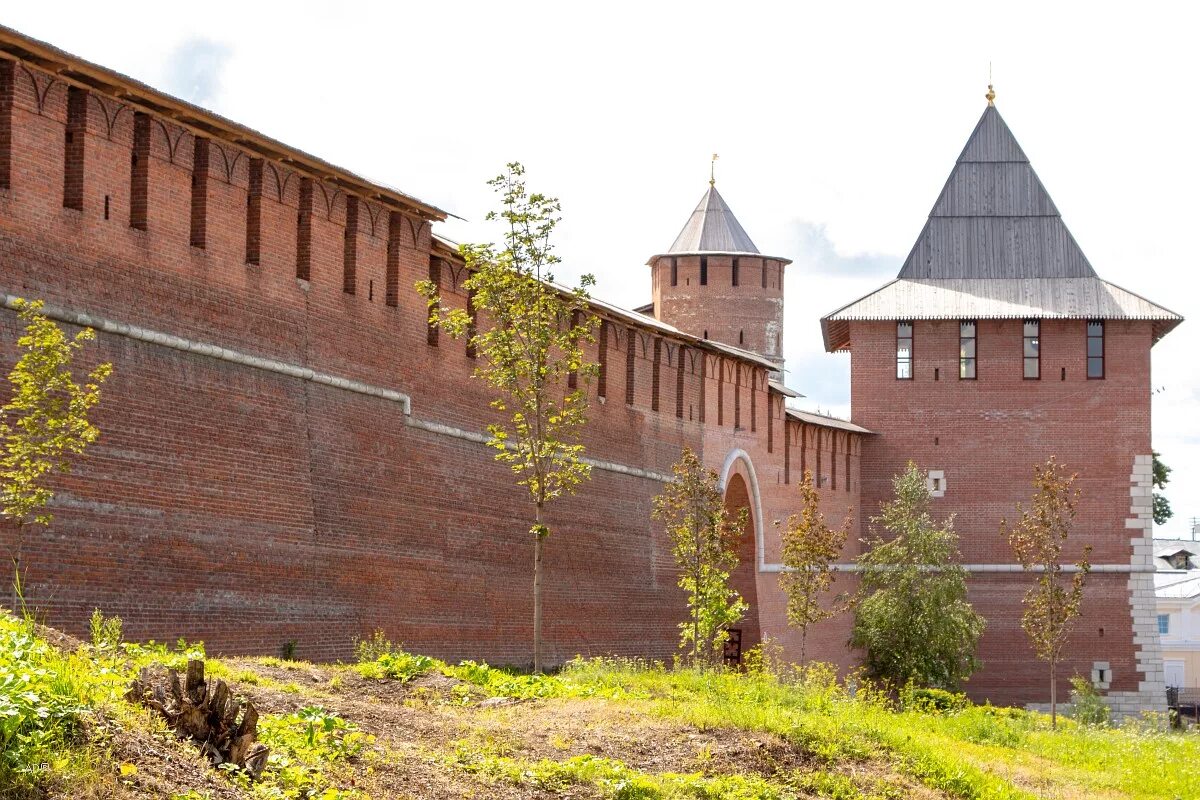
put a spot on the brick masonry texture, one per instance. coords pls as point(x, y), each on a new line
point(251, 506)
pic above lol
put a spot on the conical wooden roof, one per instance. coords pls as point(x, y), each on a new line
point(712, 228)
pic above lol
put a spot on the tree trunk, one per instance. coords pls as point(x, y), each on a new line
point(537, 591)
point(803, 643)
point(206, 713)
point(1053, 697)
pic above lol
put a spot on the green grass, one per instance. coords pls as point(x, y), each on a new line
point(859, 744)
point(977, 752)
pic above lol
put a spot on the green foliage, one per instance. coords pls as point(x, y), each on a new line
point(105, 631)
point(152, 652)
point(1037, 538)
point(374, 646)
point(912, 616)
point(45, 421)
point(396, 665)
point(932, 701)
point(1161, 505)
point(44, 698)
point(810, 548)
point(499, 682)
point(531, 349)
point(532, 341)
point(305, 747)
point(704, 543)
point(1086, 705)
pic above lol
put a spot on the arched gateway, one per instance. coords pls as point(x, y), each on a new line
point(740, 486)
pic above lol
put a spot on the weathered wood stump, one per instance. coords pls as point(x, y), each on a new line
point(207, 714)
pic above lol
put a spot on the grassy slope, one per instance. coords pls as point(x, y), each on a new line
point(407, 726)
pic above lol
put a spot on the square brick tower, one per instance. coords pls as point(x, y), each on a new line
point(997, 347)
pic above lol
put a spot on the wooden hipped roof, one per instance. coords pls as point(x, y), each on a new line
point(995, 247)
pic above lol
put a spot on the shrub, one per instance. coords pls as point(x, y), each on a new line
point(105, 631)
point(1087, 706)
point(374, 646)
point(932, 701)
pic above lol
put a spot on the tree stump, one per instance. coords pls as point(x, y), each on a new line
point(207, 714)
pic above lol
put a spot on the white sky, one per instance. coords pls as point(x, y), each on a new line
point(837, 124)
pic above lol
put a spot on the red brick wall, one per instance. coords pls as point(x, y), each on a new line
point(248, 508)
point(748, 315)
point(987, 434)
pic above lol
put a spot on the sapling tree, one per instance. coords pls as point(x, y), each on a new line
point(529, 338)
point(1038, 538)
point(44, 423)
point(810, 548)
point(704, 539)
point(912, 616)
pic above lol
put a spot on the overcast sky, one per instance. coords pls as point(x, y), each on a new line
point(836, 123)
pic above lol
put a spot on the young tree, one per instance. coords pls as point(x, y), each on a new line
point(1055, 600)
point(704, 541)
point(44, 423)
point(1162, 506)
point(530, 343)
point(810, 548)
point(912, 616)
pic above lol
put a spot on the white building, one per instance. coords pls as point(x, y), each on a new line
point(1177, 590)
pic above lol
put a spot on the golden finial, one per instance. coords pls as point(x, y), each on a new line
point(991, 93)
point(712, 171)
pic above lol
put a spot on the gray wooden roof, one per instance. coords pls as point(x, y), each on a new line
point(712, 228)
point(994, 219)
point(995, 247)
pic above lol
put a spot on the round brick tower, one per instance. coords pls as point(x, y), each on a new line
point(713, 282)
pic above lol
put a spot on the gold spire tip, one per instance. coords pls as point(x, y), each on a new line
point(991, 95)
point(712, 170)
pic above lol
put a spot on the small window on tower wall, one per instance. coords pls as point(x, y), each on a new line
point(1095, 349)
point(966, 351)
point(904, 351)
point(1033, 351)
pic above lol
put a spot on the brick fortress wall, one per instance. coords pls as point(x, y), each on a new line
point(288, 452)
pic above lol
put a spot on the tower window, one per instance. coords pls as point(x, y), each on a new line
point(1095, 349)
point(966, 351)
point(674, 272)
point(904, 351)
point(704, 270)
point(735, 272)
point(1033, 351)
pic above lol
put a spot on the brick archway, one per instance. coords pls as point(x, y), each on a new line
point(740, 484)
